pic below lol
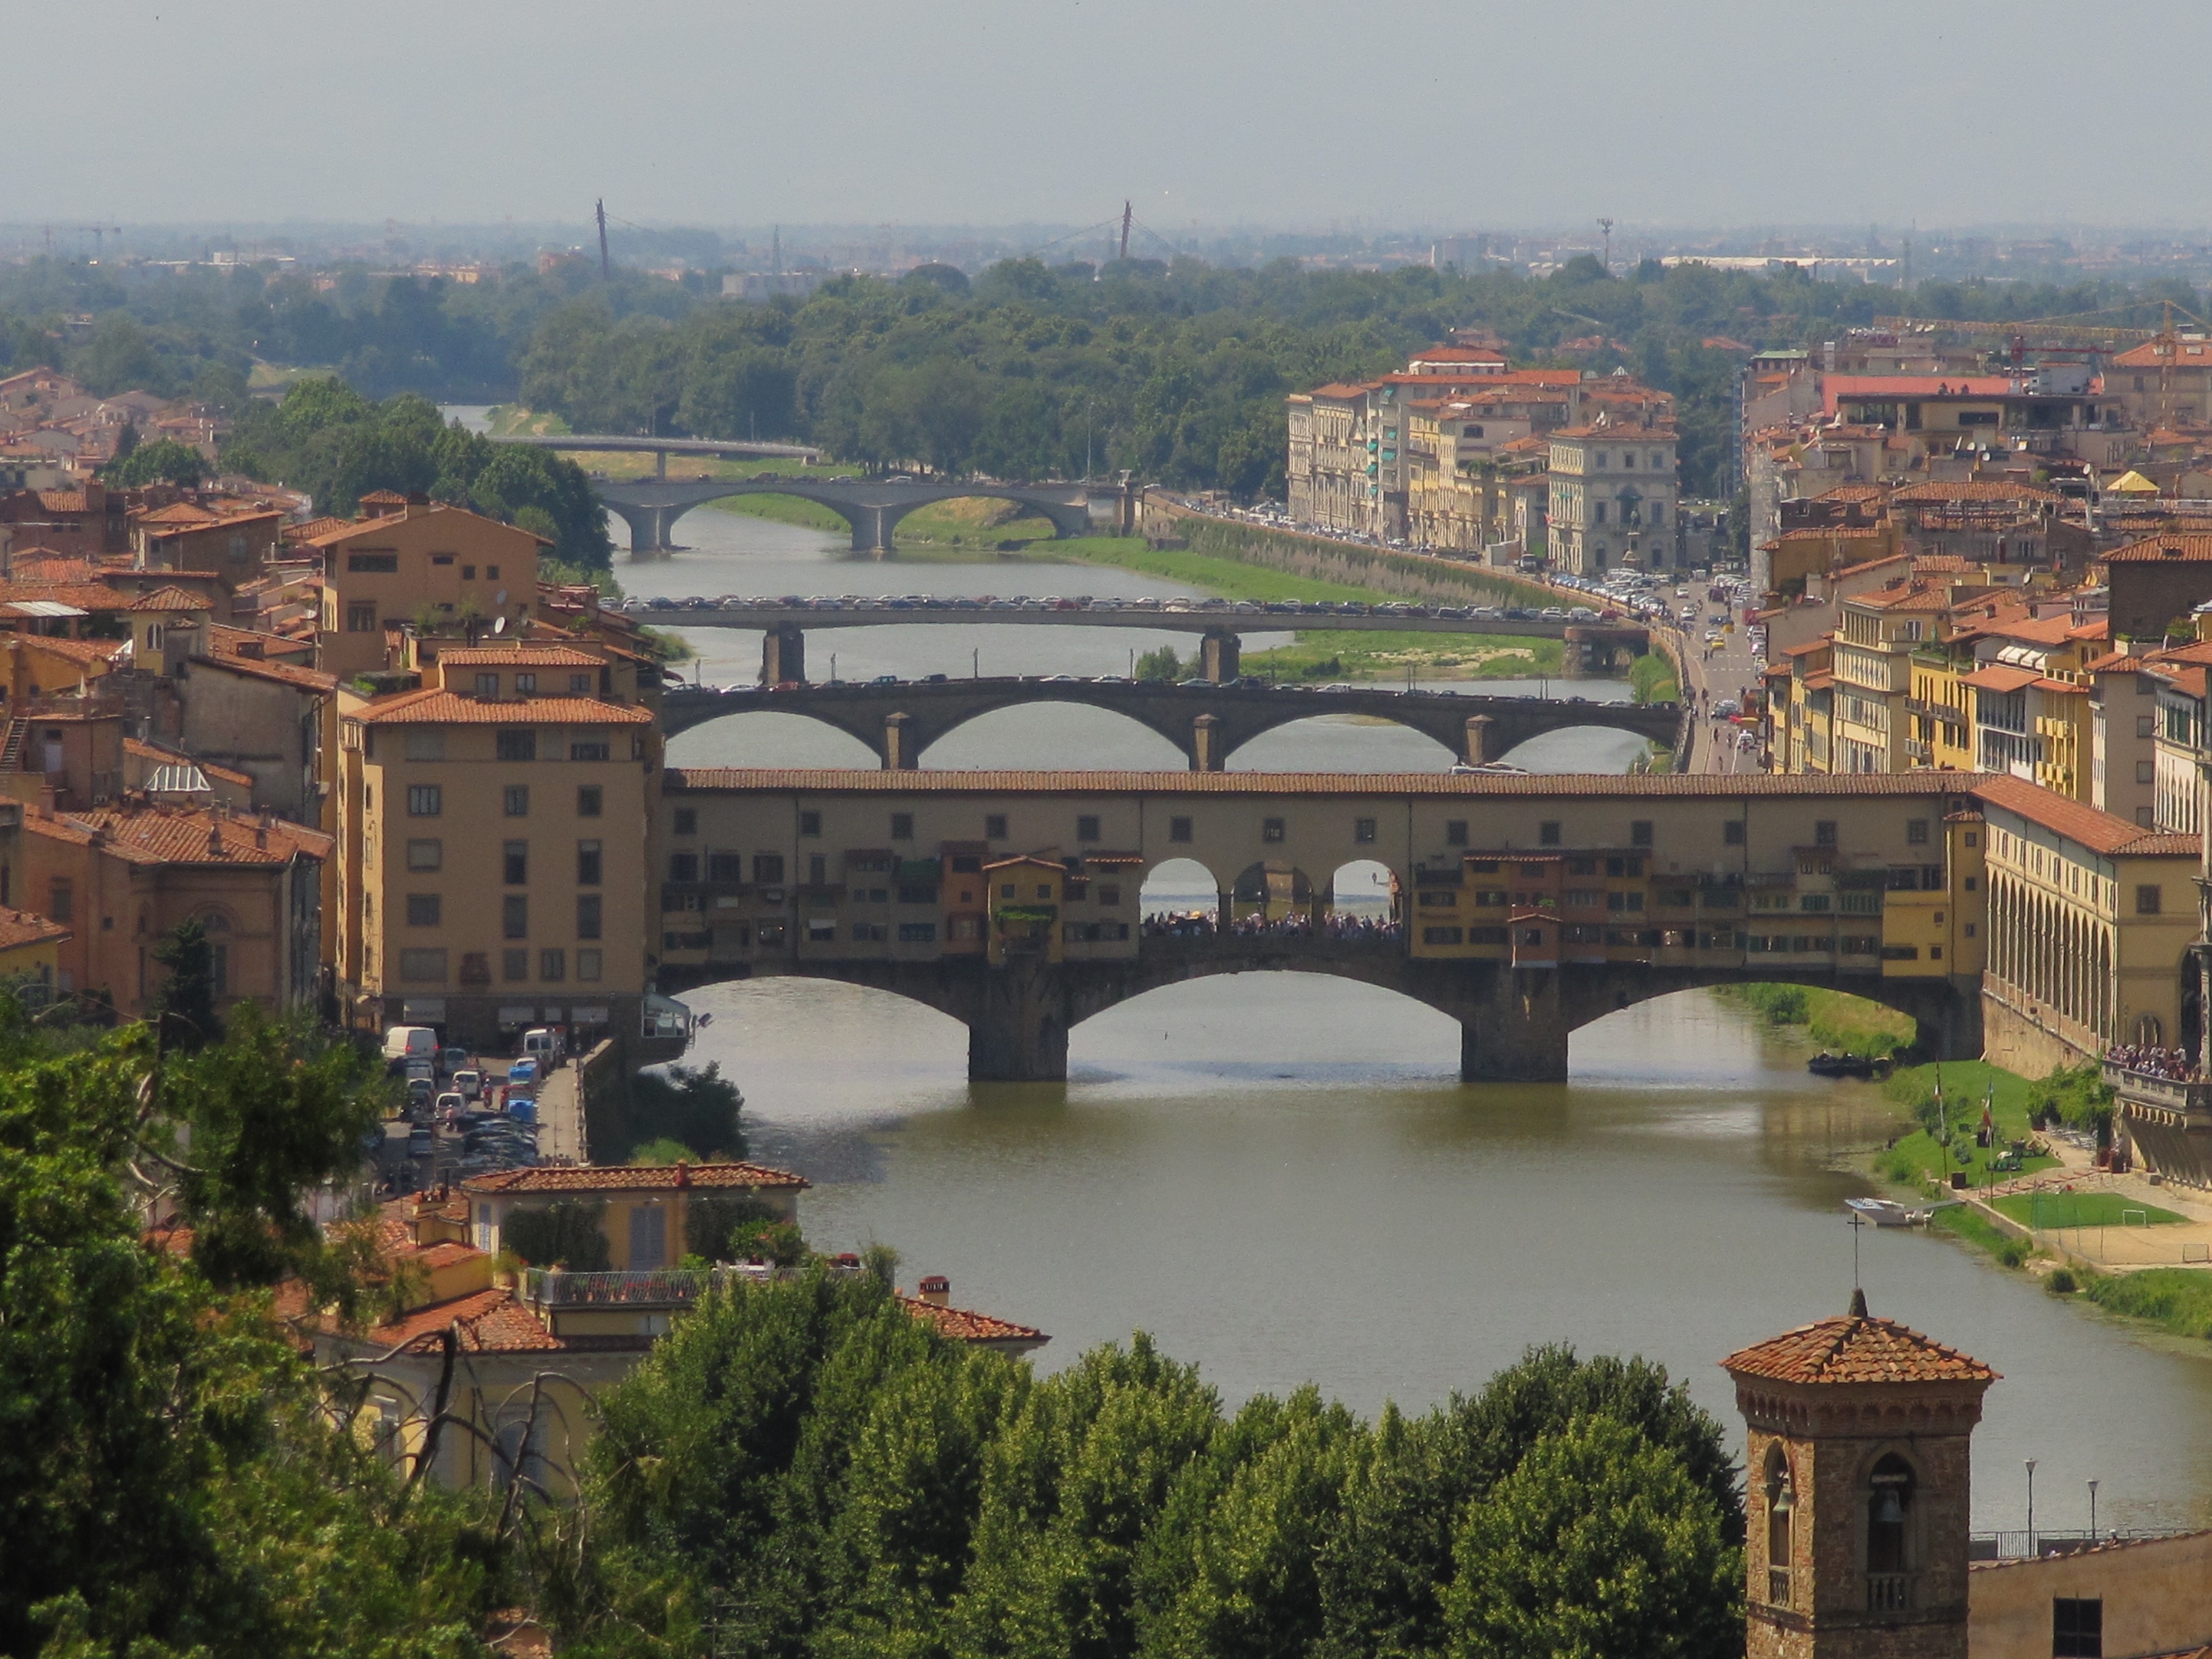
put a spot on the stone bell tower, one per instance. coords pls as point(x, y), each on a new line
point(1858, 1482)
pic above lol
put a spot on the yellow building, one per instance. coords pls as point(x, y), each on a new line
point(410, 557)
point(2090, 922)
point(497, 846)
point(1876, 636)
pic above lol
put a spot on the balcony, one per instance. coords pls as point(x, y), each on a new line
point(665, 1287)
point(1778, 1587)
point(1889, 1592)
point(2192, 1099)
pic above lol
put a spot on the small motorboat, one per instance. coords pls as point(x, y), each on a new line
point(1885, 1212)
point(1825, 1064)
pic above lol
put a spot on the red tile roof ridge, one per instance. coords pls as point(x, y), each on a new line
point(435, 706)
point(964, 1325)
point(171, 598)
point(633, 1177)
point(1855, 1348)
point(486, 1321)
point(525, 655)
point(2100, 832)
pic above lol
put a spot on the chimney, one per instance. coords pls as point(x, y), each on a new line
point(683, 1173)
point(937, 1290)
point(251, 650)
point(215, 838)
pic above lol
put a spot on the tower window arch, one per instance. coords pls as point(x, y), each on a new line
point(1781, 1522)
point(1889, 1495)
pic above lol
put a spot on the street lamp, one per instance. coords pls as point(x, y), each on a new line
point(2093, 1511)
point(2030, 1462)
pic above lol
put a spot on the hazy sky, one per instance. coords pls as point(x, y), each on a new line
point(1289, 113)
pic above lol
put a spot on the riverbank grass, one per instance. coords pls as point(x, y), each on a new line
point(1966, 1084)
point(2177, 1300)
point(1837, 1021)
point(1319, 653)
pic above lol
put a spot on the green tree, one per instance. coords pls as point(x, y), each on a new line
point(163, 461)
point(1600, 1544)
point(570, 1234)
point(1160, 665)
point(184, 1004)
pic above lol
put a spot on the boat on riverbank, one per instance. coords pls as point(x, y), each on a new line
point(1885, 1212)
point(1825, 1064)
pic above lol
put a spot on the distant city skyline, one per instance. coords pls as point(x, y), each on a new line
point(989, 112)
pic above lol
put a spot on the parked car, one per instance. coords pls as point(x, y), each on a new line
point(410, 1042)
point(521, 1072)
point(469, 1082)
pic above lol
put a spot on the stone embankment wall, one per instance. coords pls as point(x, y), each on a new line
point(1407, 575)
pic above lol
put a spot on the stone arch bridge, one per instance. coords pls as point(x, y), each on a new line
point(1207, 722)
point(872, 507)
point(1514, 1022)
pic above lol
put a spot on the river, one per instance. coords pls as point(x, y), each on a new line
point(1282, 1179)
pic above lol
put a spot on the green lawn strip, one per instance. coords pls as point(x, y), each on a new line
point(783, 509)
point(1964, 1083)
point(1836, 1020)
point(2178, 1300)
point(1231, 579)
point(2049, 1211)
point(1333, 654)
point(1651, 678)
point(1970, 1226)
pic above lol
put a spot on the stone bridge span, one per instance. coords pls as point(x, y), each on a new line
point(1207, 722)
point(872, 506)
point(1514, 1022)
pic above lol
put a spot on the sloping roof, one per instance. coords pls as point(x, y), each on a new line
point(1998, 678)
point(2151, 354)
point(527, 656)
point(436, 707)
point(2100, 832)
point(1973, 489)
point(1856, 1349)
point(2171, 544)
point(1581, 786)
point(635, 1178)
point(175, 834)
point(171, 598)
point(2131, 483)
point(20, 927)
point(485, 1322)
point(963, 1325)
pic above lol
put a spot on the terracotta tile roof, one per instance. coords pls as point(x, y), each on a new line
point(2000, 676)
point(2181, 545)
point(1855, 1349)
point(962, 1325)
point(176, 835)
point(489, 1322)
point(1973, 489)
point(2152, 353)
point(86, 651)
point(633, 1178)
point(19, 928)
point(824, 781)
point(262, 668)
point(2117, 662)
point(527, 656)
point(433, 707)
point(1914, 596)
point(1821, 680)
point(1838, 532)
point(2100, 832)
point(1851, 492)
point(171, 598)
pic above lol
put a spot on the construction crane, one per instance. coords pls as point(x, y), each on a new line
point(1126, 214)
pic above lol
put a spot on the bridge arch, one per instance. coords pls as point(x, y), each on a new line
point(1178, 888)
point(652, 506)
point(1336, 743)
point(761, 736)
point(1086, 734)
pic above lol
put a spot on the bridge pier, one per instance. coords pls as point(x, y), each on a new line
point(1019, 1034)
point(1220, 656)
point(1205, 747)
point(899, 743)
point(1476, 745)
point(783, 654)
point(1516, 1030)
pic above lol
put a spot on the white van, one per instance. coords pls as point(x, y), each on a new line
point(411, 1043)
point(542, 1042)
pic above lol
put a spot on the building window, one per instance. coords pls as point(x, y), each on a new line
point(423, 743)
point(515, 966)
point(1455, 832)
point(524, 684)
point(994, 826)
point(514, 863)
point(684, 866)
point(487, 685)
point(2145, 724)
point(687, 821)
point(2143, 773)
point(516, 800)
point(428, 965)
point(1363, 830)
point(2077, 1627)
point(517, 743)
point(594, 748)
point(588, 864)
point(1086, 828)
point(587, 916)
point(373, 564)
point(425, 800)
point(580, 685)
point(809, 823)
point(1889, 1510)
point(2148, 899)
point(423, 911)
point(591, 800)
point(1640, 833)
point(514, 916)
point(901, 826)
point(587, 965)
point(917, 932)
point(1271, 829)
point(767, 869)
point(360, 619)
point(1781, 1506)
point(1732, 833)
point(1547, 833)
point(61, 902)
point(1179, 830)
point(1824, 833)
point(552, 965)
point(1916, 832)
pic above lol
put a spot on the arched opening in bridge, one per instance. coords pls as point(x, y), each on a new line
point(1342, 743)
point(1362, 898)
point(1051, 736)
point(1271, 895)
point(985, 521)
point(762, 737)
point(1579, 749)
point(1721, 1034)
point(1180, 896)
point(1268, 1030)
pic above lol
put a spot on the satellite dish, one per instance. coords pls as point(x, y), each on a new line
point(498, 625)
point(501, 599)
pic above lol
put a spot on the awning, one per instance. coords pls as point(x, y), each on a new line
point(1996, 678)
point(2131, 483)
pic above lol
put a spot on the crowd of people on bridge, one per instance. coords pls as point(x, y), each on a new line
point(1335, 925)
point(2173, 1065)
